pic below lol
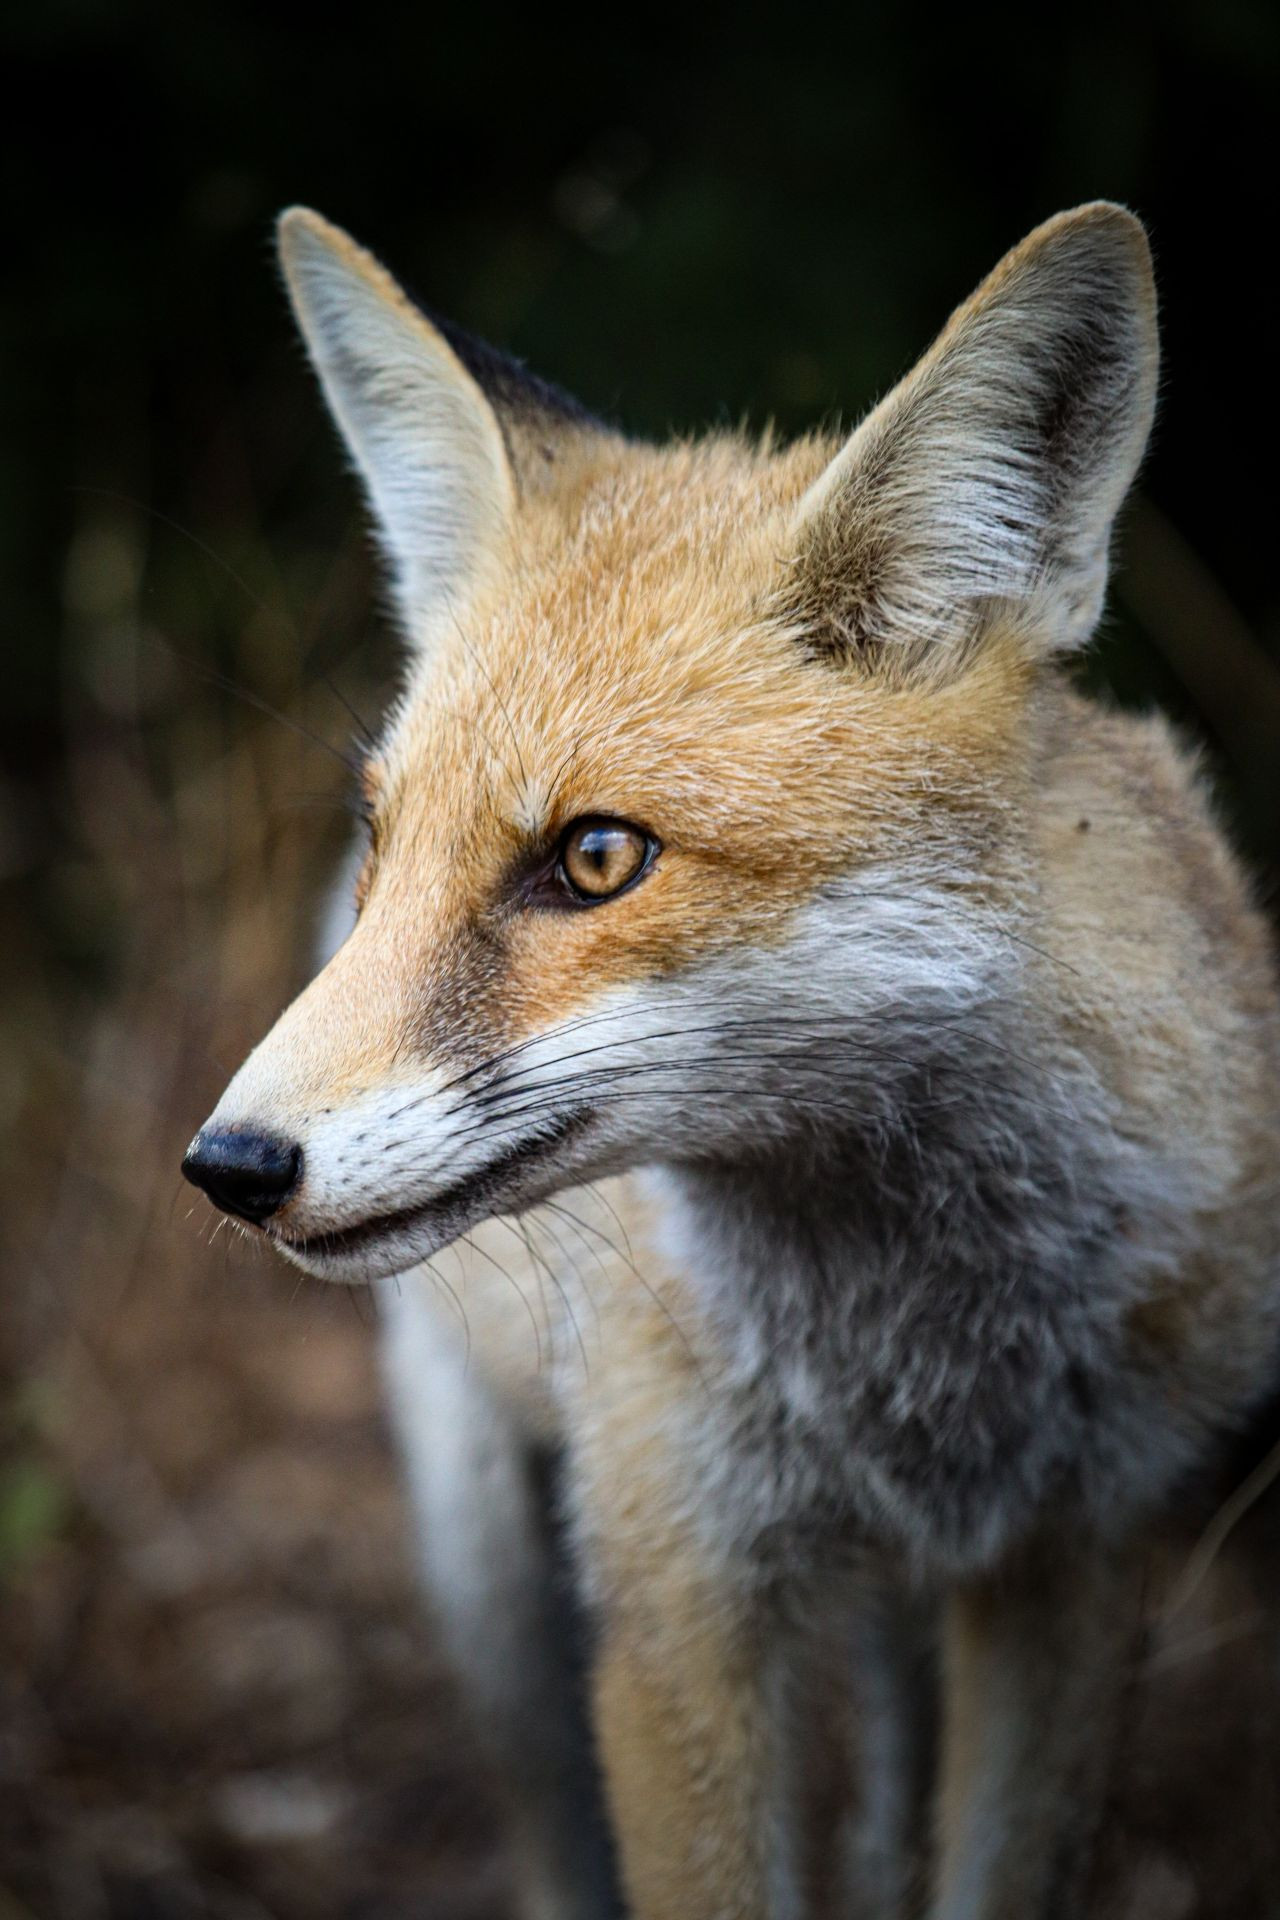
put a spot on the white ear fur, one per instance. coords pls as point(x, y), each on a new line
point(422, 434)
point(994, 471)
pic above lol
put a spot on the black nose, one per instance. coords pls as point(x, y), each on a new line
point(249, 1174)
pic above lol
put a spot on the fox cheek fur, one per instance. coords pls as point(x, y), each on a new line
point(938, 1039)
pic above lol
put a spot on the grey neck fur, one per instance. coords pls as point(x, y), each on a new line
point(923, 1312)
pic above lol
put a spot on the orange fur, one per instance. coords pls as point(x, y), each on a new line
point(740, 649)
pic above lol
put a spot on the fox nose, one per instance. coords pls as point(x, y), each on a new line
point(249, 1174)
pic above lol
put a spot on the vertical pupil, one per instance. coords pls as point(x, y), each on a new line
point(602, 858)
point(606, 856)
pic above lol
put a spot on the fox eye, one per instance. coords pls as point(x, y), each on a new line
point(599, 858)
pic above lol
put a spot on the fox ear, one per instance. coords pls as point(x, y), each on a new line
point(992, 475)
point(425, 439)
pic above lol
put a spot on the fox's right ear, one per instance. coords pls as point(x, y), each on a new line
point(425, 439)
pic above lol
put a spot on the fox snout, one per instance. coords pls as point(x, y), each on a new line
point(247, 1174)
point(356, 1154)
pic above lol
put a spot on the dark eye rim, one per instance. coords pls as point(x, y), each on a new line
point(551, 886)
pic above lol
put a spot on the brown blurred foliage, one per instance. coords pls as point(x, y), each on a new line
point(216, 1696)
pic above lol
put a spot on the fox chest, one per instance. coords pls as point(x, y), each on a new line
point(924, 1400)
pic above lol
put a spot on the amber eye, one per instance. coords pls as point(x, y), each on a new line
point(598, 858)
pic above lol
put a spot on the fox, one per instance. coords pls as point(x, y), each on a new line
point(805, 1081)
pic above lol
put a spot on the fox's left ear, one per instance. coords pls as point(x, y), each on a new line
point(992, 475)
point(448, 435)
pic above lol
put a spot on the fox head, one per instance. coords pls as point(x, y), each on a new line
point(703, 805)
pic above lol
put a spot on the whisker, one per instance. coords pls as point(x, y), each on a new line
point(541, 1273)
point(558, 1207)
point(529, 1102)
point(364, 732)
point(596, 1190)
point(589, 1296)
point(213, 676)
point(435, 1274)
point(822, 1029)
point(522, 1229)
point(202, 546)
point(468, 1241)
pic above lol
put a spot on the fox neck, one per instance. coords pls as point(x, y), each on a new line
point(930, 1309)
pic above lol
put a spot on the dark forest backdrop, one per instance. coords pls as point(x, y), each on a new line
point(214, 1692)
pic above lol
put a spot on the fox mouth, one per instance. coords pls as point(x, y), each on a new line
point(451, 1210)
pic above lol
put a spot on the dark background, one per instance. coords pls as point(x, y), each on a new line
point(216, 1695)
point(736, 215)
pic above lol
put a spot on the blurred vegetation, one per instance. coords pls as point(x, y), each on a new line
point(685, 218)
